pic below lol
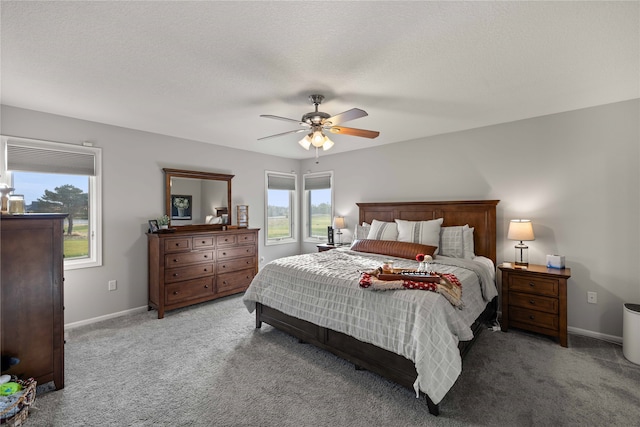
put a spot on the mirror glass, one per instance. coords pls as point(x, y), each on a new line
point(195, 198)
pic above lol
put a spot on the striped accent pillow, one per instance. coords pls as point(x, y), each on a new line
point(451, 241)
point(381, 230)
point(423, 232)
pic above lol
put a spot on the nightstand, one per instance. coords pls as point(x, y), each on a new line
point(535, 299)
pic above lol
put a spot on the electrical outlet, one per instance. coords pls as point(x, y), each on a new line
point(113, 285)
point(592, 297)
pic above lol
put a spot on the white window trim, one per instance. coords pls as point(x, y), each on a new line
point(95, 192)
point(305, 207)
point(293, 207)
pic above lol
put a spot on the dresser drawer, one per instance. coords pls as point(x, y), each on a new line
point(235, 280)
point(184, 258)
point(534, 302)
point(235, 252)
point(177, 244)
point(236, 264)
point(190, 289)
point(537, 285)
point(186, 273)
point(203, 242)
point(532, 317)
point(246, 238)
point(227, 239)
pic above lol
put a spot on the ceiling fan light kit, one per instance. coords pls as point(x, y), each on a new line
point(316, 122)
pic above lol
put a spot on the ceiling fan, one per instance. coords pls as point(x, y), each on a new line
point(316, 123)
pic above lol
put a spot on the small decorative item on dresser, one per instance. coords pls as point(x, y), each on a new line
point(153, 226)
point(243, 215)
point(16, 204)
point(162, 222)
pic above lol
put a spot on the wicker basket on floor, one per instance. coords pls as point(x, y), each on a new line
point(22, 404)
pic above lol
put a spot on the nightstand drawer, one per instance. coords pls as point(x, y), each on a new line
point(532, 317)
point(536, 285)
point(534, 302)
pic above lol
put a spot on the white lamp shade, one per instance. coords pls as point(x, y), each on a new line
point(305, 142)
point(327, 144)
point(317, 139)
point(520, 229)
point(339, 222)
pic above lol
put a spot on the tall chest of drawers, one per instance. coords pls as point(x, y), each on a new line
point(535, 299)
point(187, 267)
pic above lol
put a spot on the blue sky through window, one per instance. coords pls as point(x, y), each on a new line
point(33, 184)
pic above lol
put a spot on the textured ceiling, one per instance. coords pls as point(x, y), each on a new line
point(207, 70)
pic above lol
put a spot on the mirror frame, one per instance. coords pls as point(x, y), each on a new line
point(182, 173)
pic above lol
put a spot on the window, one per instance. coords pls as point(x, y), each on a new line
point(318, 205)
point(280, 201)
point(60, 178)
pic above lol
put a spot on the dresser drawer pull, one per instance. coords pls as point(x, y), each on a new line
point(175, 260)
point(177, 244)
point(176, 292)
point(206, 286)
point(532, 317)
point(203, 242)
point(206, 256)
point(532, 302)
point(224, 266)
point(224, 282)
point(532, 284)
point(224, 253)
point(205, 270)
point(175, 274)
point(226, 240)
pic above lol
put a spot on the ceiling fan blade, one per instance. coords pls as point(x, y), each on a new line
point(354, 132)
point(354, 113)
point(269, 116)
point(283, 133)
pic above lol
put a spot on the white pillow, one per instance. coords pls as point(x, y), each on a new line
point(467, 240)
point(361, 231)
point(451, 241)
point(423, 232)
point(381, 230)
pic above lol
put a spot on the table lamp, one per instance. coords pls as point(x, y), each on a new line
point(522, 230)
point(338, 223)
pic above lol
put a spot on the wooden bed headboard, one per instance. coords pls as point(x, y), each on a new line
point(479, 214)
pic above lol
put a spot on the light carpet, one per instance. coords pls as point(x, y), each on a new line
point(207, 365)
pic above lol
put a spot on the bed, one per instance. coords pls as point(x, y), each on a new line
point(415, 338)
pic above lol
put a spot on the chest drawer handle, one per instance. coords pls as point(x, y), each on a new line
point(206, 256)
point(203, 242)
point(532, 302)
point(205, 270)
point(532, 317)
point(176, 292)
point(224, 253)
point(175, 274)
point(532, 284)
point(206, 286)
point(175, 260)
point(226, 240)
point(224, 266)
point(177, 244)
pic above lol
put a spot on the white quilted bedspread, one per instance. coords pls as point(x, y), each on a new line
point(422, 326)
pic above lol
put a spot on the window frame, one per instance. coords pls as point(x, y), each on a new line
point(95, 191)
point(293, 200)
point(306, 211)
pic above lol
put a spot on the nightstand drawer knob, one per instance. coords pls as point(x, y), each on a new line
point(532, 302)
point(532, 317)
point(532, 284)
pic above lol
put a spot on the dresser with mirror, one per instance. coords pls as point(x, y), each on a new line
point(203, 255)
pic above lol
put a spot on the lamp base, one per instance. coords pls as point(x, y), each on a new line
point(522, 255)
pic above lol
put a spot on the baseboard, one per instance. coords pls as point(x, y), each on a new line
point(105, 317)
point(604, 337)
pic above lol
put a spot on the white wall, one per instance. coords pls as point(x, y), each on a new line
point(132, 170)
point(575, 175)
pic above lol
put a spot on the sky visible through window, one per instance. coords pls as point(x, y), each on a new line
point(33, 184)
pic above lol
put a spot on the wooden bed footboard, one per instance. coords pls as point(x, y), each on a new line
point(363, 355)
